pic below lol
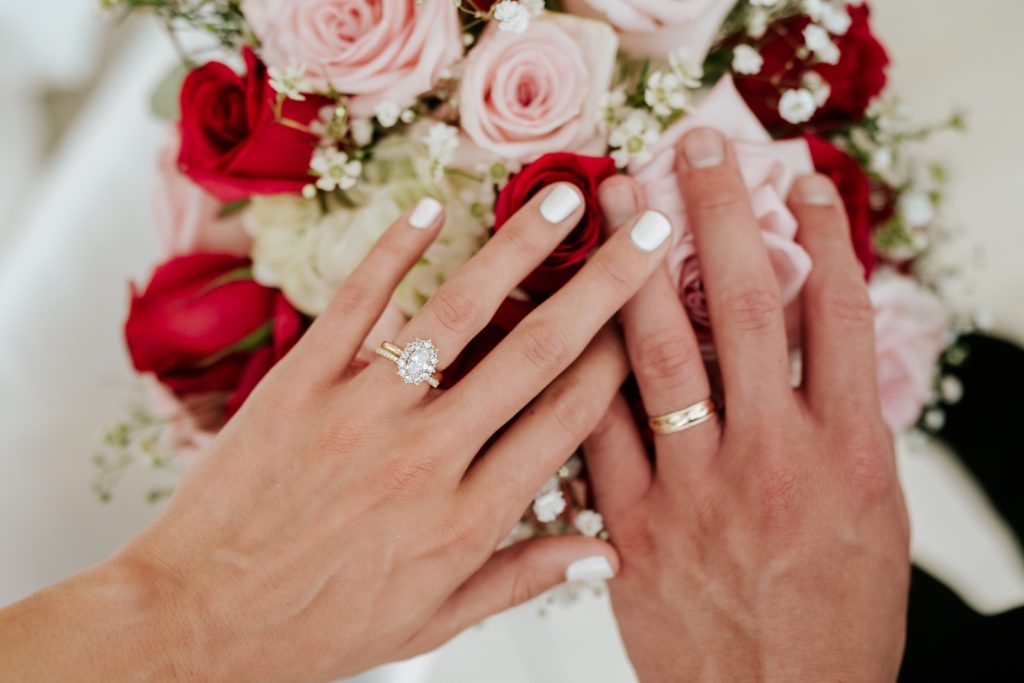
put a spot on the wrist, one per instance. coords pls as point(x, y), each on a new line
point(112, 623)
point(152, 620)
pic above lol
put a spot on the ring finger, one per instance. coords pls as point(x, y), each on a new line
point(663, 348)
point(462, 307)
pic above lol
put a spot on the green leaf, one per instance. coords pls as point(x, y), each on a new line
point(261, 336)
point(164, 101)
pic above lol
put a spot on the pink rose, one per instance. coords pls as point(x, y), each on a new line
point(655, 28)
point(769, 169)
point(524, 95)
point(188, 220)
point(374, 50)
point(910, 327)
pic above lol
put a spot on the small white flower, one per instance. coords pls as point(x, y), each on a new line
point(683, 66)
point(815, 9)
point(334, 169)
point(408, 116)
point(820, 43)
point(818, 86)
point(362, 132)
point(836, 19)
point(764, 3)
point(797, 106)
point(512, 15)
point(935, 419)
point(441, 140)
point(548, 506)
point(665, 94)
point(290, 82)
point(758, 24)
point(916, 209)
point(881, 160)
point(746, 60)
point(534, 7)
point(631, 140)
point(388, 114)
point(589, 523)
point(951, 389)
point(331, 125)
point(612, 110)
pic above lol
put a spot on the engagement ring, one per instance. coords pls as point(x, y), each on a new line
point(416, 363)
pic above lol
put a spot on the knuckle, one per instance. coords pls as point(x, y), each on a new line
point(573, 413)
point(544, 346)
point(454, 309)
point(614, 270)
point(355, 297)
point(721, 198)
point(666, 355)
point(849, 306)
point(524, 586)
point(752, 309)
point(520, 240)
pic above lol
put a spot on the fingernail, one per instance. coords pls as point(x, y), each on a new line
point(650, 232)
point(817, 191)
point(425, 213)
point(560, 203)
point(704, 148)
point(618, 203)
point(596, 568)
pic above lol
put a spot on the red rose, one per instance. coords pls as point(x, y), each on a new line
point(586, 173)
point(855, 80)
point(204, 325)
point(855, 189)
point(232, 144)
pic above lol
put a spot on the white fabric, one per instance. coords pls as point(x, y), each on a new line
point(87, 231)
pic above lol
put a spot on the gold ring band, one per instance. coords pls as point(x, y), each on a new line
point(416, 363)
point(684, 419)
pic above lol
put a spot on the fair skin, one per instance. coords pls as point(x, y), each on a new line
point(345, 519)
point(771, 545)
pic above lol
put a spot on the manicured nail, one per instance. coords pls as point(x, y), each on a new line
point(596, 568)
point(618, 203)
point(651, 231)
point(425, 213)
point(704, 148)
point(560, 203)
point(817, 191)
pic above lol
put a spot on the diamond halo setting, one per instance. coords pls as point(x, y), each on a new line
point(418, 362)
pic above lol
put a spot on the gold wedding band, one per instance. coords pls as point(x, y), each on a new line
point(416, 363)
point(681, 420)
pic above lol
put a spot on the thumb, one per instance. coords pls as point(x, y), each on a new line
point(517, 574)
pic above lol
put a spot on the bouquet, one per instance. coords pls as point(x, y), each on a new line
point(303, 128)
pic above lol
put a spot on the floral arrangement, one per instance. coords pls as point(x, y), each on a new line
point(308, 126)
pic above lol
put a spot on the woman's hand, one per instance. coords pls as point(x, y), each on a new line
point(346, 519)
point(772, 545)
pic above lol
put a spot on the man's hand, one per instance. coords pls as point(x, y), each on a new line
point(773, 544)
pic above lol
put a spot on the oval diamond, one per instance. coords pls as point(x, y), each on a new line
point(418, 362)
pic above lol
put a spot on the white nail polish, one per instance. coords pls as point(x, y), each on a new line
point(650, 232)
point(590, 569)
point(560, 203)
point(425, 213)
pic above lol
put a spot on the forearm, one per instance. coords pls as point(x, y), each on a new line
point(105, 624)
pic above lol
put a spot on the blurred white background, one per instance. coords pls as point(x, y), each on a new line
point(77, 149)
